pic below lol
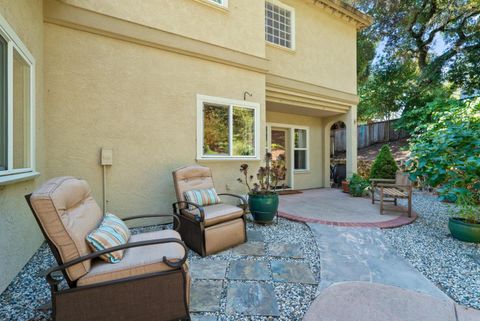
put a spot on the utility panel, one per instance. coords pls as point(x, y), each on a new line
point(106, 156)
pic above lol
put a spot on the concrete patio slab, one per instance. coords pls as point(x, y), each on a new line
point(333, 207)
point(252, 299)
point(210, 269)
point(199, 317)
point(364, 301)
point(250, 249)
point(249, 270)
point(205, 295)
point(288, 250)
point(292, 272)
point(360, 254)
point(467, 314)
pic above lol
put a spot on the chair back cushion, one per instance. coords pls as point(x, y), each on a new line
point(111, 232)
point(67, 213)
point(202, 197)
point(193, 177)
point(401, 178)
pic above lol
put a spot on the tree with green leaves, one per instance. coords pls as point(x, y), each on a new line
point(440, 38)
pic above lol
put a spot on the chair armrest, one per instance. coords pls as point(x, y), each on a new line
point(241, 198)
point(175, 217)
point(177, 211)
point(174, 264)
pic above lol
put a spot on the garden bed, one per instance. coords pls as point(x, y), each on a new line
point(453, 265)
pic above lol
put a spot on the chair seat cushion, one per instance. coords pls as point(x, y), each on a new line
point(218, 213)
point(138, 260)
point(111, 232)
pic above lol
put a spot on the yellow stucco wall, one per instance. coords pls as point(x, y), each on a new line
point(19, 234)
point(314, 176)
point(239, 27)
point(325, 52)
point(141, 102)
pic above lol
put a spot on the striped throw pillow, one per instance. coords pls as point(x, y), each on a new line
point(201, 197)
point(111, 232)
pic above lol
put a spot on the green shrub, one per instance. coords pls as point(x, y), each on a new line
point(445, 152)
point(358, 185)
point(384, 165)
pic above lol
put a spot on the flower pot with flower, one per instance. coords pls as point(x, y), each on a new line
point(262, 195)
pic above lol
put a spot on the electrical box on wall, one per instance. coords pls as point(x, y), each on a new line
point(106, 156)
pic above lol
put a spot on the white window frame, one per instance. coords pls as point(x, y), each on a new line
point(222, 5)
point(292, 26)
point(203, 99)
point(14, 43)
point(306, 149)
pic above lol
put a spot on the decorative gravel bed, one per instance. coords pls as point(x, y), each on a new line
point(454, 266)
point(29, 290)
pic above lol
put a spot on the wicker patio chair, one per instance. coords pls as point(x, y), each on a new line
point(151, 282)
point(209, 229)
point(389, 190)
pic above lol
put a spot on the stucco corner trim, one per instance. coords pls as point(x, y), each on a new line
point(73, 17)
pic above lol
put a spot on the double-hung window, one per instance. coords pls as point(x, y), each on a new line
point(227, 129)
point(17, 110)
point(301, 149)
point(279, 24)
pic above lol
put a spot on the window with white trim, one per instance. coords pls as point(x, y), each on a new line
point(301, 149)
point(17, 96)
point(280, 24)
point(223, 3)
point(227, 129)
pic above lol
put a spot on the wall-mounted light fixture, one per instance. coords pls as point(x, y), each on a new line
point(245, 95)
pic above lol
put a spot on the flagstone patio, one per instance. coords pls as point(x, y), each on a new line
point(333, 207)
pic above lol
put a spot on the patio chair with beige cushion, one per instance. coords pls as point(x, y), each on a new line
point(389, 190)
point(207, 229)
point(151, 282)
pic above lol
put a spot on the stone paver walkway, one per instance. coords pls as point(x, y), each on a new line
point(248, 281)
point(361, 254)
point(333, 207)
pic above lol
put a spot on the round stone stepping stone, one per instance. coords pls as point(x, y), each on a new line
point(377, 302)
point(252, 298)
point(249, 270)
point(292, 272)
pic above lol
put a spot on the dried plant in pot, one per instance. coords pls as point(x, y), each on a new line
point(262, 194)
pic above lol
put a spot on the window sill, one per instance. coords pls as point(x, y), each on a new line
point(301, 171)
point(274, 45)
point(222, 159)
point(214, 5)
point(15, 178)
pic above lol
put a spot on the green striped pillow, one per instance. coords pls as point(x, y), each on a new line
point(201, 197)
point(111, 232)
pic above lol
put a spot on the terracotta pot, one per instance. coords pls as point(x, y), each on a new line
point(345, 186)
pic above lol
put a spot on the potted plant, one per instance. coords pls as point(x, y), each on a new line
point(262, 195)
point(345, 186)
point(465, 225)
point(357, 185)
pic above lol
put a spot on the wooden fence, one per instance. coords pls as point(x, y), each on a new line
point(367, 135)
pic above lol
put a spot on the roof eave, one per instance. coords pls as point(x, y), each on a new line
point(347, 11)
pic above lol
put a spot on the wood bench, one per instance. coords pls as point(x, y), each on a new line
point(389, 190)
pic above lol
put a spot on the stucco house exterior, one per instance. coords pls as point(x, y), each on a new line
point(161, 84)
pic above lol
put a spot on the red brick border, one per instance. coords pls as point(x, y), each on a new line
point(396, 222)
